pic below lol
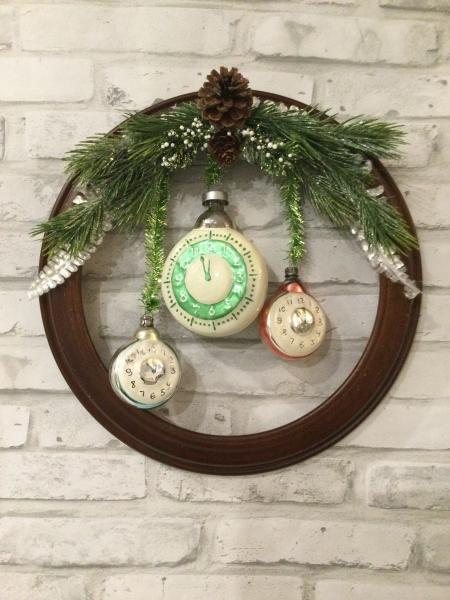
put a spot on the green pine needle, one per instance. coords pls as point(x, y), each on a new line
point(73, 229)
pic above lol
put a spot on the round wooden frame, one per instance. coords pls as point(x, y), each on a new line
point(379, 365)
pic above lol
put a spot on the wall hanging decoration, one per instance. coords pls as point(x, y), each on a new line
point(214, 280)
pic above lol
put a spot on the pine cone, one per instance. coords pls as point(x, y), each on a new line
point(225, 147)
point(225, 98)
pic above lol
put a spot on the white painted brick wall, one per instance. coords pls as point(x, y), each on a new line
point(71, 476)
point(197, 587)
point(83, 516)
point(331, 590)
point(346, 39)
point(99, 541)
point(353, 544)
point(404, 485)
point(45, 79)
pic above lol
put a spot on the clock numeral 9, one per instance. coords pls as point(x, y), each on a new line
point(128, 371)
point(279, 320)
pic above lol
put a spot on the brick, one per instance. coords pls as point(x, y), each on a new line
point(404, 425)
point(28, 366)
point(205, 32)
point(354, 544)
point(417, 95)
point(20, 586)
point(254, 373)
point(434, 251)
point(202, 413)
point(52, 134)
point(46, 79)
point(71, 476)
point(6, 28)
point(255, 415)
point(65, 423)
point(345, 39)
point(19, 255)
point(421, 145)
point(435, 547)
point(200, 587)
point(28, 198)
point(405, 485)
point(61, 542)
point(129, 84)
point(434, 322)
point(14, 421)
point(18, 315)
point(358, 590)
point(417, 4)
point(322, 481)
point(2, 137)
point(428, 203)
point(423, 373)
point(331, 2)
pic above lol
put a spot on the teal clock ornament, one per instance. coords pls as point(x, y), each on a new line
point(214, 281)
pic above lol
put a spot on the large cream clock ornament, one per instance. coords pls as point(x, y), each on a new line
point(145, 373)
point(292, 322)
point(214, 280)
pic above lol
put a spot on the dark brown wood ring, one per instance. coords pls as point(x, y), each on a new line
point(379, 365)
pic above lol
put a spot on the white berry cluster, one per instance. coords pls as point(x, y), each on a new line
point(184, 143)
point(274, 155)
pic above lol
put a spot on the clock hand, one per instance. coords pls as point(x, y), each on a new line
point(206, 271)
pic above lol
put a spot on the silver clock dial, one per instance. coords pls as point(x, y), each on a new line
point(297, 324)
point(145, 373)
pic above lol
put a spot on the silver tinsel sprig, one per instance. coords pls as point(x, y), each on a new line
point(386, 263)
point(381, 260)
point(61, 267)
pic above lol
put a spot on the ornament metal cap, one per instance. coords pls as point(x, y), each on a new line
point(291, 273)
point(214, 195)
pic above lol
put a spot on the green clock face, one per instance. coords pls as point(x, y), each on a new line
point(214, 281)
point(209, 279)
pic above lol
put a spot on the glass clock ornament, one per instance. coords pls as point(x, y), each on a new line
point(292, 323)
point(145, 373)
point(214, 281)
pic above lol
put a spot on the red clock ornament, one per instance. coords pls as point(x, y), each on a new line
point(292, 323)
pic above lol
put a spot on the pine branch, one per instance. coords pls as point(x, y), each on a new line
point(73, 229)
point(290, 195)
point(154, 249)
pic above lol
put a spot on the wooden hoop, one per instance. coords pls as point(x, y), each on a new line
point(375, 372)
